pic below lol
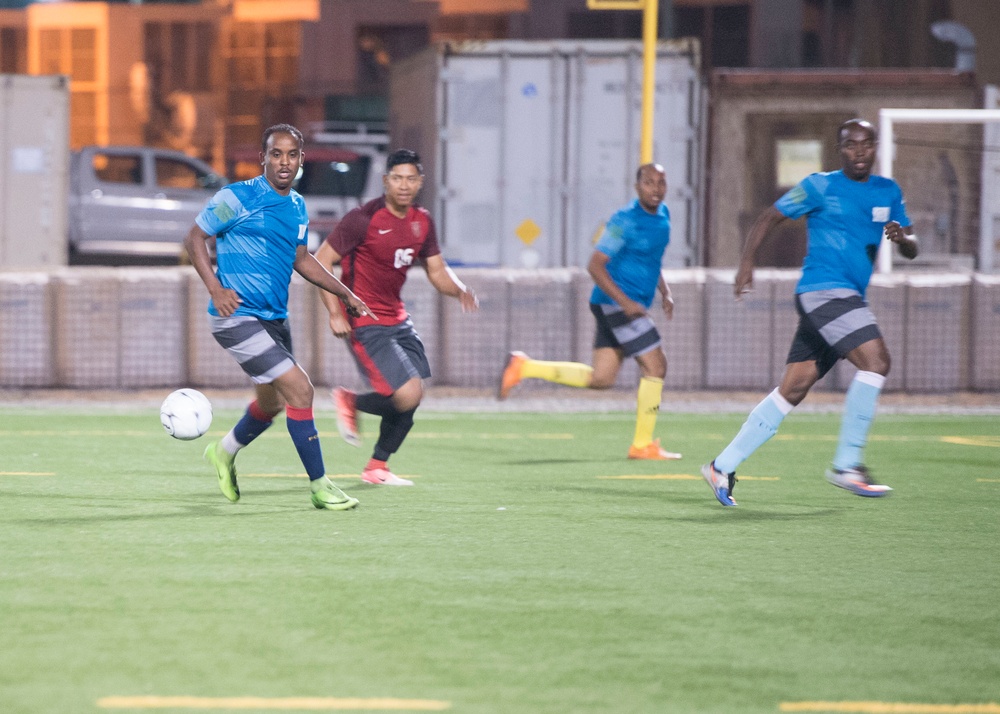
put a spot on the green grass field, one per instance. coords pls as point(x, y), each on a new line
point(531, 569)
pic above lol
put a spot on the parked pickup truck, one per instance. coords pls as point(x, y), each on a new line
point(134, 203)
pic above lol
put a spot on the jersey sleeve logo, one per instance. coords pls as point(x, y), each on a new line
point(880, 214)
point(797, 195)
point(224, 212)
point(404, 257)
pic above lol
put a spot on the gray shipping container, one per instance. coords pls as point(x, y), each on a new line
point(530, 146)
point(34, 160)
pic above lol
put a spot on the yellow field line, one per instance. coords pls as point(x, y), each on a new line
point(993, 441)
point(889, 708)
point(276, 475)
point(27, 473)
point(680, 477)
point(279, 703)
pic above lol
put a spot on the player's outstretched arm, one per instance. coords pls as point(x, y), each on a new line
point(445, 281)
point(904, 238)
point(768, 219)
point(312, 270)
point(339, 325)
point(225, 300)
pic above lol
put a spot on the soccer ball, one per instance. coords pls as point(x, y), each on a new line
point(186, 414)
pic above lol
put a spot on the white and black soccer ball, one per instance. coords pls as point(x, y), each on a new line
point(186, 414)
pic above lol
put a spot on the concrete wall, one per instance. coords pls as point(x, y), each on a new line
point(145, 328)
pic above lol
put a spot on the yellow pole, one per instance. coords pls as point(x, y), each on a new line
point(650, 9)
point(649, 33)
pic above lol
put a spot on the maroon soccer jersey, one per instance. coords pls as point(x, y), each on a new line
point(377, 249)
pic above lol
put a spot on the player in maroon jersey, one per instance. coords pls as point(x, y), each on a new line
point(375, 245)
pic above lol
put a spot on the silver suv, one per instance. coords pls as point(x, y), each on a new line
point(134, 204)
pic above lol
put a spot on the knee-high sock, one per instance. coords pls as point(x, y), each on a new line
point(761, 425)
point(392, 432)
point(647, 406)
point(859, 410)
point(254, 422)
point(303, 431)
point(572, 374)
point(375, 403)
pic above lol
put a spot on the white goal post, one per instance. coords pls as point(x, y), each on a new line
point(989, 222)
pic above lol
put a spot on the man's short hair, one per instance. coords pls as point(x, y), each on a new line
point(403, 156)
point(281, 129)
point(652, 165)
point(857, 122)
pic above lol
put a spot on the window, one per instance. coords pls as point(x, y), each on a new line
point(83, 54)
point(334, 178)
point(118, 168)
point(178, 55)
point(171, 173)
point(795, 159)
point(724, 31)
point(13, 49)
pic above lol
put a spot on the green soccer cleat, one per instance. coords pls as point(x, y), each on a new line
point(225, 466)
point(326, 495)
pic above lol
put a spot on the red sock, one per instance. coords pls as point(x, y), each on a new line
point(374, 463)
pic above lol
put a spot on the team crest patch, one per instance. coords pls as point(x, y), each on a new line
point(797, 194)
point(223, 212)
point(880, 214)
point(415, 225)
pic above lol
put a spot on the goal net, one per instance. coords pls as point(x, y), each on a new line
point(947, 162)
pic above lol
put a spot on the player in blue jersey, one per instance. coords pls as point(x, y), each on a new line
point(260, 228)
point(848, 213)
point(625, 267)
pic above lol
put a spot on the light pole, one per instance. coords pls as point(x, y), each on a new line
point(649, 35)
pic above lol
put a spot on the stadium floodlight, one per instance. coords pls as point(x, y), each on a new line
point(989, 214)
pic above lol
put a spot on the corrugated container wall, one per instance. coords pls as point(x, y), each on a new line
point(34, 146)
point(530, 146)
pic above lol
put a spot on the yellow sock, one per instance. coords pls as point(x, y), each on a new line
point(647, 407)
point(572, 374)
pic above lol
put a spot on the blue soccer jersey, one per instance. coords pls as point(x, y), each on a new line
point(258, 232)
point(634, 240)
point(845, 220)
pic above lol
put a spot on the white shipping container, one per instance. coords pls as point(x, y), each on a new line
point(530, 146)
point(34, 146)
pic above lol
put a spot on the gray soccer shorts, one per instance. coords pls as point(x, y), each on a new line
point(389, 356)
point(831, 324)
point(633, 337)
point(263, 348)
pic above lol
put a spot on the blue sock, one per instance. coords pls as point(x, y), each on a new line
point(761, 425)
point(254, 422)
point(859, 410)
point(306, 439)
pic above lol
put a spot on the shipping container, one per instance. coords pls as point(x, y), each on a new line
point(34, 146)
point(529, 146)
